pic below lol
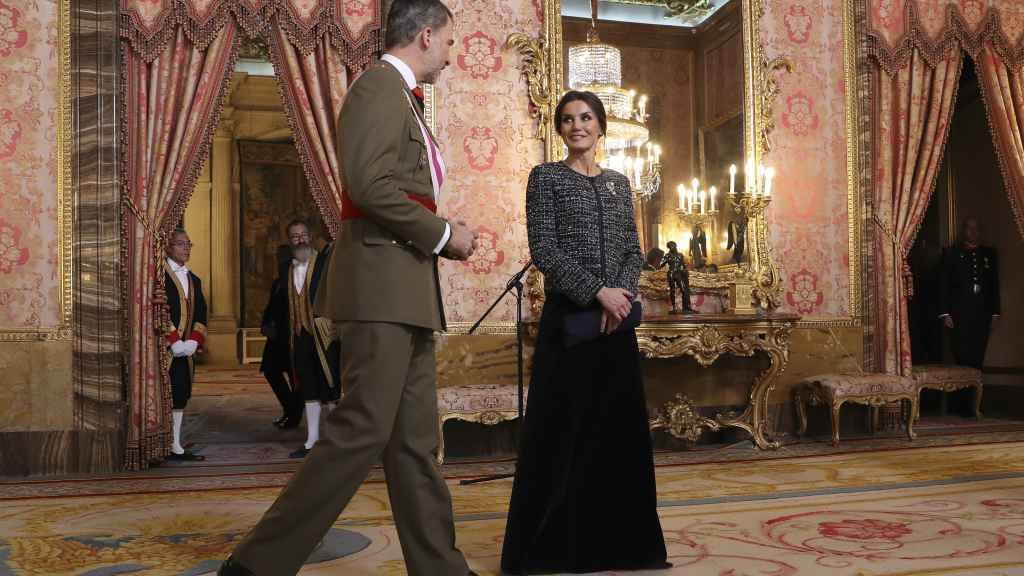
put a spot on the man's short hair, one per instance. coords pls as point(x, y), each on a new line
point(407, 18)
point(175, 232)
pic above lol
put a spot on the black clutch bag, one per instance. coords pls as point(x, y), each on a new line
point(585, 325)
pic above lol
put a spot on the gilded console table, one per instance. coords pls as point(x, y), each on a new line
point(707, 337)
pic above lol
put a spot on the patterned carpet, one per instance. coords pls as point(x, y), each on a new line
point(951, 502)
point(923, 510)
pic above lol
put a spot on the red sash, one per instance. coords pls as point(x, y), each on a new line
point(349, 211)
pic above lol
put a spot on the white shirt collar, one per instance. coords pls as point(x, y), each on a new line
point(403, 69)
point(177, 268)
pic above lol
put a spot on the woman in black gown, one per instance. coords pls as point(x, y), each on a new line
point(584, 496)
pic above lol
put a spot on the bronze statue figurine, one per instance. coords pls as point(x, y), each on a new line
point(678, 277)
point(737, 239)
point(698, 247)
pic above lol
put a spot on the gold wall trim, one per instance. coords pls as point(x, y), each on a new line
point(828, 323)
point(853, 189)
point(488, 328)
point(65, 198)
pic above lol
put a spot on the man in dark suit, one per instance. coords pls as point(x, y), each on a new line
point(382, 290)
point(969, 296)
point(186, 334)
point(276, 361)
point(310, 340)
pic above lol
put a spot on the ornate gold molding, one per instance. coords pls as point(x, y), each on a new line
point(503, 328)
point(681, 420)
point(853, 189)
point(706, 338)
point(769, 92)
point(65, 200)
point(536, 70)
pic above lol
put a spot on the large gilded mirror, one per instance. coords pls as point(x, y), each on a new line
point(688, 94)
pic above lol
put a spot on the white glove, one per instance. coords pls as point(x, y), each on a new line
point(192, 346)
point(180, 349)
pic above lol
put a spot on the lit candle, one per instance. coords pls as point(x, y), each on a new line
point(657, 154)
point(713, 192)
point(732, 183)
point(650, 152)
point(748, 177)
point(769, 175)
point(681, 190)
point(703, 196)
point(759, 182)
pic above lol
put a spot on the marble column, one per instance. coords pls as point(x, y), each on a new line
point(223, 218)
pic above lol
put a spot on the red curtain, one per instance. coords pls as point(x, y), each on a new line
point(313, 87)
point(176, 61)
point(1003, 91)
point(171, 107)
point(913, 112)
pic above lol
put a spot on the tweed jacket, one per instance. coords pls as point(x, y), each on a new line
point(582, 231)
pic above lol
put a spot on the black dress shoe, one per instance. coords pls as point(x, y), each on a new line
point(290, 422)
point(300, 453)
point(231, 567)
point(186, 456)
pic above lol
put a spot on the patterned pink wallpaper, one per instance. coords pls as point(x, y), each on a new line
point(489, 146)
point(29, 93)
point(809, 216)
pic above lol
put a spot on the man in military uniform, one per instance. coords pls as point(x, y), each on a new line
point(185, 335)
point(969, 295)
point(678, 277)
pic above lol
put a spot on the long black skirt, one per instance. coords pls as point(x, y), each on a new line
point(584, 497)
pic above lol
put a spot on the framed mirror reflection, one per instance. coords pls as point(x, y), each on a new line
point(686, 88)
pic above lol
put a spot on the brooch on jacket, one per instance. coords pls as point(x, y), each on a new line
point(611, 187)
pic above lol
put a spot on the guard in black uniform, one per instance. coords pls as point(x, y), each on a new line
point(186, 334)
point(969, 295)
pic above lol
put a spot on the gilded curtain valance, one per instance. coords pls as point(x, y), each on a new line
point(353, 26)
point(935, 27)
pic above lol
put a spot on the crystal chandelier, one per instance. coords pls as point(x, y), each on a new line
point(597, 67)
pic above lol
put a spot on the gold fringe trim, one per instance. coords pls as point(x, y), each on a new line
point(956, 34)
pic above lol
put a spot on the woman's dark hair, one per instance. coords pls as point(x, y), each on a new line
point(591, 100)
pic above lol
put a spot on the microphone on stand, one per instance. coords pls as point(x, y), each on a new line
point(514, 283)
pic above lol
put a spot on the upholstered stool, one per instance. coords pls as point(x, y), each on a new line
point(949, 377)
point(874, 390)
point(487, 404)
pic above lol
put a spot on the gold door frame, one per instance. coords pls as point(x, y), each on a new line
point(62, 188)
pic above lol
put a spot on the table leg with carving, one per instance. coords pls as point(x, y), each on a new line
point(706, 343)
